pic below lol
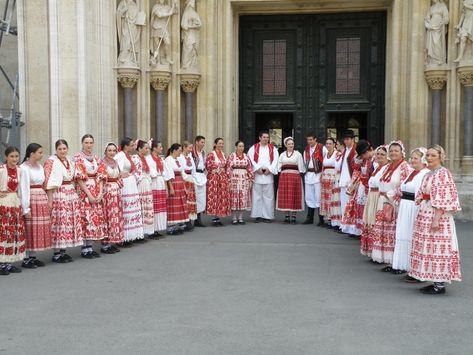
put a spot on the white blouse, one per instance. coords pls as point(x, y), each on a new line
point(123, 162)
point(153, 170)
point(373, 182)
point(60, 173)
point(172, 167)
point(31, 175)
point(414, 185)
point(295, 159)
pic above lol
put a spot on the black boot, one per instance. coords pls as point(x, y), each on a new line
point(321, 221)
point(189, 226)
point(198, 221)
point(310, 216)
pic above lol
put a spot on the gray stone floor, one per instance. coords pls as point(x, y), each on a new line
point(254, 289)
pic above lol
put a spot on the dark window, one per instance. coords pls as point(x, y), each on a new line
point(347, 66)
point(274, 67)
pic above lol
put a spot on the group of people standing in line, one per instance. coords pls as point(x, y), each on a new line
point(401, 211)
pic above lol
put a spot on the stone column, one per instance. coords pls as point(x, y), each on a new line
point(128, 77)
point(189, 83)
point(465, 75)
point(436, 80)
point(159, 80)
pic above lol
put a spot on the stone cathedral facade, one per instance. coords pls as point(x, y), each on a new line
point(389, 69)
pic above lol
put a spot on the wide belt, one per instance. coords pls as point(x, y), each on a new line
point(67, 183)
point(239, 167)
point(177, 173)
point(408, 196)
point(112, 179)
point(311, 170)
point(374, 189)
point(188, 171)
point(328, 167)
point(36, 186)
point(92, 175)
point(200, 170)
point(290, 167)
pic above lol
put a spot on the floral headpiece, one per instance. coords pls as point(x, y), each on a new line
point(422, 151)
point(399, 143)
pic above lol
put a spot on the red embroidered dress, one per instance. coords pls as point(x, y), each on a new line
point(290, 192)
point(158, 172)
point(12, 229)
point(92, 172)
point(241, 174)
point(113, 204)
point(218, 185)
point(66, 225)
point(35, 201)
point(177, 203)
point(384, 230)
point(327, 183)
point(435, 255)
point(143, 178)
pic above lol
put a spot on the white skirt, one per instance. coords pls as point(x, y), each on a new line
point(404, 228)
point(133, 225)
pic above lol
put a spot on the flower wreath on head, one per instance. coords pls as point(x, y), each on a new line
point(403, 150)
point(423, 150)
point(382, 146)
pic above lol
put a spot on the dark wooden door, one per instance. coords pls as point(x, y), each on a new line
point(313, 67)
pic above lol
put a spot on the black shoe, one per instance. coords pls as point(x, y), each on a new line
point(217, 223)
point(126, 245)
point(59, 259)
point(154, 237)
point(258, 220)
point(38, 263)
point(293, 220)
point(95, 254)
point(310, 216)
point(267, 220)
point(242, 222)
point(4, 271)
point(12, 269)
point(321, 221)
point(287, 220)
point(139, 241)
point(234, 223)
point(87, 255)
point(353, 236)
point(114, 249)
point(398, 272)
point(107, 250)
point(374, 262)
point(68, 258)
point(28, 264)
point(198, 223)
point(432, 290)
point(189, 227)
point(387, 269)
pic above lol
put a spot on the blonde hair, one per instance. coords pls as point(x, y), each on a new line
point(185, 144)
point(422, 152)
point(439, 149)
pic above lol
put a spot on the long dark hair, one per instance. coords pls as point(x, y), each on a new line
point(60, 142)
point(140, 144)
point(125, 142)
point(30, 149)
point(173, 148)
point(10, 150)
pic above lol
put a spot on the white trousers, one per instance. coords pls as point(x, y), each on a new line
point(312, 195)
point(201, 198)
point(263, 201)
point(344, 198)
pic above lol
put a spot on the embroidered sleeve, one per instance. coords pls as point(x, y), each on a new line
point(300, 163)
point(101, 170)
point(52, 174)
point(249, 169)
point(280, 162)
point(230, 161)
point(139, 167)
point(211, 164)
point(169, 168)
point(25, 189)
point(395, 195)
point(443, 192)
point(120, 159)
point(153, 171)
point(80, 172)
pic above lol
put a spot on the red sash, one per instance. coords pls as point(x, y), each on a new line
point(159, 163)
point(133, 167)
point(271, 153)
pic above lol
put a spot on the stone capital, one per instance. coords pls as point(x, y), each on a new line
point(189, 82)
point(465, 75)
point(159, 79)
point(128, 77)
point(436, 78)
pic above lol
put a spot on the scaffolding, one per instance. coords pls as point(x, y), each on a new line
point(10, 122)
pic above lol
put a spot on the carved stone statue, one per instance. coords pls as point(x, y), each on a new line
point(160, 43)
point(129, 22)
point(436, 22)
point(465, 30)
point(190, 25)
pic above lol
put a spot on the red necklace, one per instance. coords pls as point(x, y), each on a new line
point(66, 164)
point(289, 156)
point(240, 157)
point(329, 155)
point(12, 179)
point(388, 174)
point(412, 176)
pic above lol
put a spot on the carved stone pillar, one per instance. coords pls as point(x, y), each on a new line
point(465, 75)
point(128, 77)
point(159, 80)
point(189, 83)
point(436, 80)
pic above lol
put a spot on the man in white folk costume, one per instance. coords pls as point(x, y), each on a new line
point(264, 157)
point(201, 178)
point(313, 160)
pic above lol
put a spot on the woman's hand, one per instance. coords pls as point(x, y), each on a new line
point(28, 215)
point(171, 192)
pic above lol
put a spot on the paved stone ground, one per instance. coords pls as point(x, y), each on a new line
point(254, 289)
